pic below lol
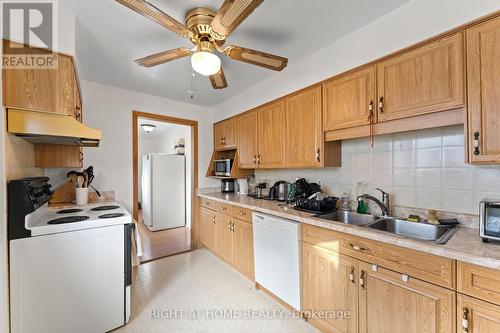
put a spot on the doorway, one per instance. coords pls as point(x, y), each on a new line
point(165, 177)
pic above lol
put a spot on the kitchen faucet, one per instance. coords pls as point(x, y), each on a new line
point(384, 204)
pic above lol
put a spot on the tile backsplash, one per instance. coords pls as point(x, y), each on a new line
point(420, 169)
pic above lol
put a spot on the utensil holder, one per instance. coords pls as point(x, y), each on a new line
point(82, 195)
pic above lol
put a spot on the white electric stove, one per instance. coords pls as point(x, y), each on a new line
point(70, 269)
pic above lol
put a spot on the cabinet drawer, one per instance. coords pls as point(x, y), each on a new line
point(427, 267)
point(479, 282)
point(242, 214)
point(224, 208)
point(206, 203)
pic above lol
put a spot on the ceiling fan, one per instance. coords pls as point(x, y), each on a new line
point(208, 31)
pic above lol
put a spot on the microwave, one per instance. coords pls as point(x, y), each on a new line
point(489, 220)
point(223, 167)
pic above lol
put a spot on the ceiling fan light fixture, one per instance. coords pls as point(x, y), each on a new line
point(148, 128)
point(205, 63)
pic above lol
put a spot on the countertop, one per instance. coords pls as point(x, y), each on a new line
point(465, 245)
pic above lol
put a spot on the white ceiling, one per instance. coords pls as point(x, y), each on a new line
point(109, 37)
point(161, 128)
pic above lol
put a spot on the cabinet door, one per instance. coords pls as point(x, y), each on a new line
point(483, 66)
point(475, 316)
point(304, 132)
point(271, 129)
point(428, 79)
point(58, 156)
point(208, 228)
point(66, 86)
point(329, 283)
point(348, 99)
point(243, 248)
point(30, 89)
point(247, 140)
point(225, 134)
point(224, 237)
point(391, 302)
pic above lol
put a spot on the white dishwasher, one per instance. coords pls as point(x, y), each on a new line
point(277, 256)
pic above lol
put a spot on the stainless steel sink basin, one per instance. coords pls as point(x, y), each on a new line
point(349, 217)
point(429, 232)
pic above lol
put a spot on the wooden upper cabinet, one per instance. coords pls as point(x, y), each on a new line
point(475, 316)
point(390, 302)
point(247, 140)
point(347, 99)
point(303, 132)
point(225, 135)
point(329, 283)
point(427, 79)
point(483, 72)
point(271, 124)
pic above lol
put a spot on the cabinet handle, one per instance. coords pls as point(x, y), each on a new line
point(362, 280)
point(233, 227)
point(351, 275)
point(381, 104)
point(243, 213)
point(476, 144)
point(254, 159)
point(213, 220)
point(317, 155)
point(371, 121)
point(223, 141)
point(258, 159)
point(465, 320)
point(81, 156)
point(358, 248)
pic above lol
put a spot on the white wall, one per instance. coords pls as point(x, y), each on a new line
point(110, 109)
point(421, 169)
point(407, 25)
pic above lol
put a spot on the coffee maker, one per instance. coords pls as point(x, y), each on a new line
point(227, 185)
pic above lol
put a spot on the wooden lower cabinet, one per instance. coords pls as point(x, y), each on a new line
point(391, 302)
point(329, 284)
point(243, 248)
point(224, 237)
point(475, 316)
point(208, 228)
point(229, 234)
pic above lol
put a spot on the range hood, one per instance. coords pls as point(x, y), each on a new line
point(51, 128)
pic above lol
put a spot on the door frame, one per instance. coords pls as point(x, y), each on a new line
point(135, 169)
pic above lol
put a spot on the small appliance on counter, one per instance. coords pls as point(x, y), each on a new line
point(223, 167)
point(56, 283)
point(279, 191)
point(243, 186)
point(227, 185)
point(489, 220)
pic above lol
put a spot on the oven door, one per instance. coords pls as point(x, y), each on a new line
point(492, 220)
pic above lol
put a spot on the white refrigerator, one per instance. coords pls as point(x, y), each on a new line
point(163, 191)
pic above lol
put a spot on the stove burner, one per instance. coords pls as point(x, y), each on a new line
point(101, 208)
point(110, 215)
point(69, 211)
point(68, 219)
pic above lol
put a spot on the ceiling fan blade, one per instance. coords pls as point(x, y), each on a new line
point(257, 58)
point(148, 10)
point(218, 80)
point(163, 57)
point(231, 14)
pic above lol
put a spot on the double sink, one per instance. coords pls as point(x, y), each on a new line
point(428, 232)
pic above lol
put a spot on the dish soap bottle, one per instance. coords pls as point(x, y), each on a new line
point(361, 205)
